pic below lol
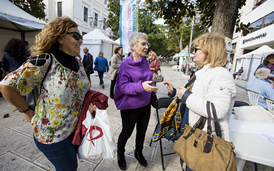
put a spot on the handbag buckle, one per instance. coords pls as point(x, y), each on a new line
point(196, 141)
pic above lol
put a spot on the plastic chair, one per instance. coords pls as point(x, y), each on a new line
point(253, 97)
point(270, 105)
point(163, 102)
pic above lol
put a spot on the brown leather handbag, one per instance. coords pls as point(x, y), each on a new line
point(201, 150)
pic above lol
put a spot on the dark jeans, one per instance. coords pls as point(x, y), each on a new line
point(111, 94)
point(131, 117)
point(62, 154)
point(101, 75)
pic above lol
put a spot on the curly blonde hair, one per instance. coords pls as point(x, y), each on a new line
point(50, 34)
point(214, 47)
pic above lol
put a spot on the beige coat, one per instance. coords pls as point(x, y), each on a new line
point(116, 60)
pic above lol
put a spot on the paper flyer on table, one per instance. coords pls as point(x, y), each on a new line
point(251, 127)
point(268, 138)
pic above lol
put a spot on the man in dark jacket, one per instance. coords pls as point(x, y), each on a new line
point(88, 61)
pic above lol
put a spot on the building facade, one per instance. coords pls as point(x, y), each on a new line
point(88, 14)
point(260, 14)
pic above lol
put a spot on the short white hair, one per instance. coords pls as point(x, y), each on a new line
point(134, 38)
point(262, 73)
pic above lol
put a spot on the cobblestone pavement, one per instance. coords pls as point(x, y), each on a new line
point(19, 153)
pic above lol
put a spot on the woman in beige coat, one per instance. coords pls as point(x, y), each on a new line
point(114, 68)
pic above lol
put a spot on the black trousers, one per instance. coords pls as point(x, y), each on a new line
point(111, 94)
point(130, 117)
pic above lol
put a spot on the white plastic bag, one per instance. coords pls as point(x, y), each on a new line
point(99, 139)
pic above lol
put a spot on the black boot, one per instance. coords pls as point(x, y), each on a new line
point(122, 162)
point(139, 156)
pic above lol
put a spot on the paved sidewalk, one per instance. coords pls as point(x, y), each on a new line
point(19, 153)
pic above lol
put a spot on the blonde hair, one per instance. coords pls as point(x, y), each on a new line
point(101, 54)
point(214, 47)
point(50, 34)
point(153, 54)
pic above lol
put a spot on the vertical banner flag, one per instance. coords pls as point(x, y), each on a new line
point(127, 23)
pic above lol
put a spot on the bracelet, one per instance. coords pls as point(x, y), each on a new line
point(24, 110)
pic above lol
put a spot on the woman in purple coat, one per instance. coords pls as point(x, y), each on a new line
point(132, 97)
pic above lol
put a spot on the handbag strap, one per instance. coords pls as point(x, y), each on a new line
point(46, 71)
point(216, 122)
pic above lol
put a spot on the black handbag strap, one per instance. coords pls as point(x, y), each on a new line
point(46, 71)
point(216, 122)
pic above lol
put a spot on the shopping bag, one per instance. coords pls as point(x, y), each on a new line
point(91, 146)
point(99, 139)
point(109, 145)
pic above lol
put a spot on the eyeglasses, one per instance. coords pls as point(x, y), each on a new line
point(196, 49)
point(76, 35)
point(146, 44)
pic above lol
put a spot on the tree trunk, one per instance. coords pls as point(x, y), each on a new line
point(225, 16)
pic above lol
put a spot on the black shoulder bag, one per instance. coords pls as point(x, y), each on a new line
point(33, 96)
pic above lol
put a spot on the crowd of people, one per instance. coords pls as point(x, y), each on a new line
point(65, 85)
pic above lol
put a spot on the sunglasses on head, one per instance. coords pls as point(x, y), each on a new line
point(76, 35)
point(196, 49)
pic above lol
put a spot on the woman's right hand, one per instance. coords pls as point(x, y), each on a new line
point(92, 108)
point(147, 87)
point(169, 86)
point(28, 115)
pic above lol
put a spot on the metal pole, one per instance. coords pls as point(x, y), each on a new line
point(192, 24)
point(250, 67)
point(137, 16)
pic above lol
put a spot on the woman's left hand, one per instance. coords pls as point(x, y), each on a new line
point(181, 91)
point(92, 108)
point(147, 87)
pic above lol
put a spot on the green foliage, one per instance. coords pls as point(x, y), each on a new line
point(182, 33)
point(33, 7)
point(173, 11)
point(113, 16)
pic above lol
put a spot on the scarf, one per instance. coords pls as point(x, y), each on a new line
point(175, 117)
point(271, 67)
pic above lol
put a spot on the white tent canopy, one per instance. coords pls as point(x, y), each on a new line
point(96, 42)
point(12, 17)
point(251, 61)
point(16, 23)
point(118, 41)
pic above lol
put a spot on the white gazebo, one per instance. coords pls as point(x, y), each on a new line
point(251, 61)
point(16, 23)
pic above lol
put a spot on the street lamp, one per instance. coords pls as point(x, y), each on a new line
point(100, 22)
point(197, 20)
point(90, 21)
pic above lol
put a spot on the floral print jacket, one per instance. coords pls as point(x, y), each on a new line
point(60, 102)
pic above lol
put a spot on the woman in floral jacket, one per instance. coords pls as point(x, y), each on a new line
point(62, 91)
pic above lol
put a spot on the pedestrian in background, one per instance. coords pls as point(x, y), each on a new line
point(102, 64)
point(14, 55)
point(153, 62)
point(261, 86)
point(268, 63)
point(116, 60)
point(240, 71)
point(212, 83)
point(132, 97)
point(88, 62)
point(62, 91)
